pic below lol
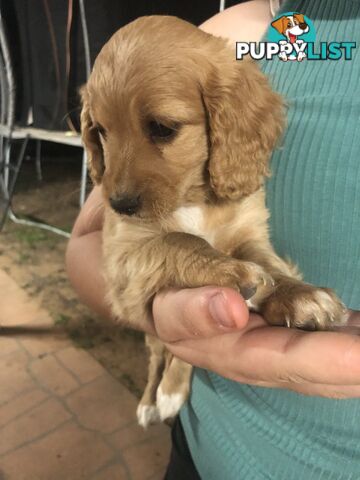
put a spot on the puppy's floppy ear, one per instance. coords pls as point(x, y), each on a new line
point(280, 24)
point(91, 139)
point(300, 17)
point(245, 121)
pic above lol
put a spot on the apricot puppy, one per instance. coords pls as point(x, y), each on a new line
point(179, 135)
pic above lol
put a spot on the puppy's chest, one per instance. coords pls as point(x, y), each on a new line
point(228, 226)
point(193, 220)
point(197, 221)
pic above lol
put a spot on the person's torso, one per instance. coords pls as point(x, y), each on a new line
point(242, 432)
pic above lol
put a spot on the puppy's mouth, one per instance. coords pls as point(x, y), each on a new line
point(292, 38)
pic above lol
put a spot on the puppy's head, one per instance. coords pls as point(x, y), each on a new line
point(295, 24)
point(171, 118)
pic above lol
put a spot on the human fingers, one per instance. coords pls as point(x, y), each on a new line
point(276, 355)
point(198, 313)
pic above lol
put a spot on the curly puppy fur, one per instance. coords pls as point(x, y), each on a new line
point(179, 134)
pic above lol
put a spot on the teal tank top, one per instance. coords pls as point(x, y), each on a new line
point(242, 432)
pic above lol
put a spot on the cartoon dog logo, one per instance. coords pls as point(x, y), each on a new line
point(291, 27)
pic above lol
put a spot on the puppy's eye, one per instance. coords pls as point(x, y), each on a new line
point(160, 132)
point(101, 130)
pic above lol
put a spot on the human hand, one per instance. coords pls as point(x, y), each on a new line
point(312, 363)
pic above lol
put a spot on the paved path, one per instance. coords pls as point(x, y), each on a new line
point(62, 416)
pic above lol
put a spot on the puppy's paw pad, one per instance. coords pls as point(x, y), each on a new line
point(168, 404)
point(147, 415)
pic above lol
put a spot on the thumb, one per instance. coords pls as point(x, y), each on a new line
point(198, 312)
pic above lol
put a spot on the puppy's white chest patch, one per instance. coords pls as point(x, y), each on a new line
point(191, 220)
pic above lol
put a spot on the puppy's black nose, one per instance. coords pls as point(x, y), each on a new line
point(303, 26)
point(125, 204)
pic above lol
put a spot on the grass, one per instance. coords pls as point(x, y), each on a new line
point(32, 237)
point(23, 258)
point(61, 319)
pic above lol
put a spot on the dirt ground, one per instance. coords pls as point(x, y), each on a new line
point(35, 259)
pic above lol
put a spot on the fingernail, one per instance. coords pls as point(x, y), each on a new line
point(219, 311)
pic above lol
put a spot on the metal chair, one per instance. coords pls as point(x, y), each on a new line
point(9, 133)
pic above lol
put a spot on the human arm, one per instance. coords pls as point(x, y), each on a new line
point(83, 255)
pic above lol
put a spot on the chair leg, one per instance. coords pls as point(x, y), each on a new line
point(4, 168)
point(83, 179)
point(9, 183)
point(38, 161)
point(2, 160)
point(7, 151)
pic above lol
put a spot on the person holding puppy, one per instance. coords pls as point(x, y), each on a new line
point(283, 403)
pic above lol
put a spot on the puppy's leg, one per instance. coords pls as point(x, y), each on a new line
point(174, 388)
point(176, 260)
point(147, 411)
point(167, 387)
point(292, 303)
point(137, 270)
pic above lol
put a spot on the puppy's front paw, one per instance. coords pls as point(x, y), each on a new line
point(304, 306)
point(248, 278)
point(301, 56)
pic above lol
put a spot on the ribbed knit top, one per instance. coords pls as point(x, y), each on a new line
point(314, 192)
point(242, 432)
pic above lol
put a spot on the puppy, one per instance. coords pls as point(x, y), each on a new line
point(179, 136)
point(291, 27)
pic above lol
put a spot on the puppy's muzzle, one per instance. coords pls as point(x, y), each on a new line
point(126, 205)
